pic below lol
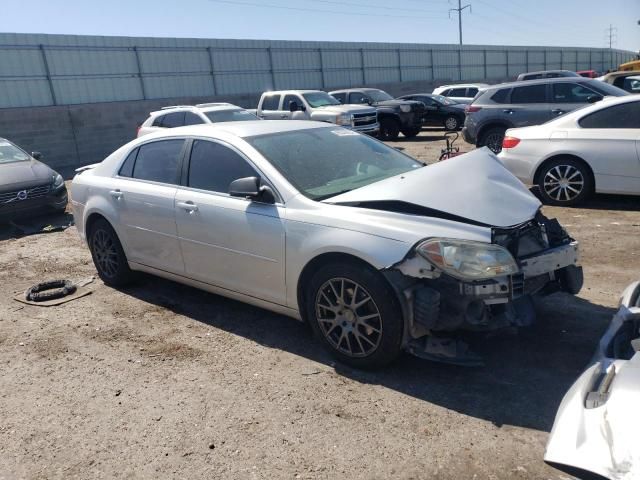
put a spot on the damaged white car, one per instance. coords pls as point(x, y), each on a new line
point(595, 434)
point(377, 252)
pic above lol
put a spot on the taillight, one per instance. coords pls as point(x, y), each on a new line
point(472, 108)
point(510, 142)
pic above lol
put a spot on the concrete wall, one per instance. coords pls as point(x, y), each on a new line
point(70, 136)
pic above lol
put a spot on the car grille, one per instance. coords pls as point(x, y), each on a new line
point(24, 194)
point(363, 119)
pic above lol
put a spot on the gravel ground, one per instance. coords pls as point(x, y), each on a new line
point(164, 381)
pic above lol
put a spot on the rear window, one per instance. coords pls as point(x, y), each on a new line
point(605, 89)
point(626, 115)
point(501, 95)
point(529, 94)
point(271, 102)
point(192, 119)
point(472, 92)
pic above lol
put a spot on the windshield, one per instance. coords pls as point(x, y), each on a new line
point(443, 100)
point(378, 95)
point(320, 99)
point(9, 153)
point(324, 162)
point(230, 116)
point(605, 89)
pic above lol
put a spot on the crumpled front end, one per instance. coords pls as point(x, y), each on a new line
point(545, 259)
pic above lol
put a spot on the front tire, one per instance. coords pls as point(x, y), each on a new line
point(492, 138)
point(389, 129)
point(108, 256)
point(355, 314)
point(565, 182)
point(452, 123)
point(411, 132)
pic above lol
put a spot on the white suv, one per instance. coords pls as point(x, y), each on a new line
point(462, 93)
point(181, 115)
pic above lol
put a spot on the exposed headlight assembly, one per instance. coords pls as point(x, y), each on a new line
point(57, 181)
point(344, 119)
point(405, 108)
point(468, 260)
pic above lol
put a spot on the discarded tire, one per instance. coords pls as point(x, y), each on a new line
point(51, 290)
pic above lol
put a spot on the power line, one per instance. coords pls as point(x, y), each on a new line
point(459, 10)
point(331, 12)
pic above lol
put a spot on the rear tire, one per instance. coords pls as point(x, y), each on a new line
point(565, 182)
point(108, 256)
point(452, 123)
point(492, 138)
point(355, 314)
point(389, 129)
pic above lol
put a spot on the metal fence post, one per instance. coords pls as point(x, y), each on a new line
point(399, 64)
point(484, 62)
point(364, 74)
point(526, 59)
point(561, 59)
point(590, 60)
point(459, 63)
point(213, 73)
point(322, 80)
point(433, 72)
point(144, 94)
point(273, 75)
point(507, 63)
point(544, 59)
point(48, 75)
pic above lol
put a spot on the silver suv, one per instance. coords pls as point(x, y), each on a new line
point(532, 102)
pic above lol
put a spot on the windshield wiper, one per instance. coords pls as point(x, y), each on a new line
point(324, 197)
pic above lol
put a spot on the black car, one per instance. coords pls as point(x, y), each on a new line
point(440, 111)
point(27, 186)
point(394, 115)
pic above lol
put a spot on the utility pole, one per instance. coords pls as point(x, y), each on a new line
point(611, 33)
point(459, 11)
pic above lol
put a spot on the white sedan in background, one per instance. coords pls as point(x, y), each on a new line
point(593, 149)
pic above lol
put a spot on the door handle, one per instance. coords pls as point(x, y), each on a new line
point(188, 205)
point(117, 194)
point(508, 110)
point(557, 111)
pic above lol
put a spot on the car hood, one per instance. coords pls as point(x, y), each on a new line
point(472, 188)
point(596, 427)
point(22, 174)
point(348, 109)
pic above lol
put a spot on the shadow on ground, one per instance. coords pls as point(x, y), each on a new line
point(46, 223)
point(522, 384)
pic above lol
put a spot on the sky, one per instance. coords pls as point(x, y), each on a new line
point(581, 23)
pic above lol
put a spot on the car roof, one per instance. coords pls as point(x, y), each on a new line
point(242, 129)
point(604, 103)
point(539, 81)
point(201, 107)
point(281, 92)
point(627, 73)
point(464, 85)
point(360, 89)
point(546, 71)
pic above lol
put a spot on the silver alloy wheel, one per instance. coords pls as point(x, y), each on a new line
point(348, 317)
point(563, 183)
point(105, 253)
point(451, 123)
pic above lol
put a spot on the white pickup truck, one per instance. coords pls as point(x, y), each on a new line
point(319, 106)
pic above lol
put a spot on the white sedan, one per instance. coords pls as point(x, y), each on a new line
point(372, 248)
point(593, 149)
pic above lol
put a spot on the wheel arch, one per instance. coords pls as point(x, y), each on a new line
point(489, 126)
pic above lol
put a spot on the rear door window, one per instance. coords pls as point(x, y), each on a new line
point(214, 166)
point(571, 93)
point(457, 92)
point(358, 98)
point(472, 92)
point(501, 96)
point(271, 102)
point(192, 119)
point(159, 161)
point(529, 94)
point(626, 115)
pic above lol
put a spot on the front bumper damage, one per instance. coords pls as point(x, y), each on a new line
point(436, 302)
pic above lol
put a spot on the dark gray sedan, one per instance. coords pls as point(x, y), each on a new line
point(27, 187)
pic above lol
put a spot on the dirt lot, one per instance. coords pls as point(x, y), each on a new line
point(164, 381)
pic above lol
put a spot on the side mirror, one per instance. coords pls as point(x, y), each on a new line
point(594, 98)
point(249, 187)
point(36, 155)
point(293, 106)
